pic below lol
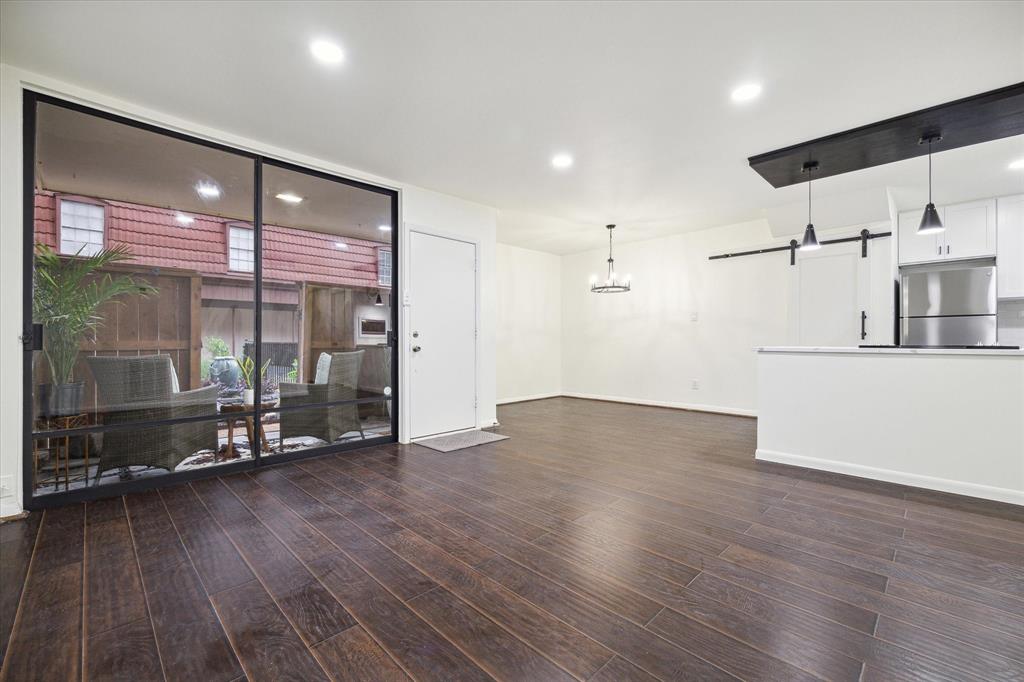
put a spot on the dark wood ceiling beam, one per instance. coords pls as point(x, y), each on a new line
point(972, 120)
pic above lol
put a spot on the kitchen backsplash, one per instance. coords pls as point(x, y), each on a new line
point(1011, 323)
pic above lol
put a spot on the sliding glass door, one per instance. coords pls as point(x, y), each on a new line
point(326, 355)
point(192, 308)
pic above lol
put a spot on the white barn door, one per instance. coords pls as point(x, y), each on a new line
point(832, 289)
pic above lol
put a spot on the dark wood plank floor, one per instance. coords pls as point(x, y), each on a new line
point(601, 542)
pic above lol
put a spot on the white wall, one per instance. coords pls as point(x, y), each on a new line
point(956, 423)
point(689, 319)
point(529, 324)
point(443, 215)
point(424, 208)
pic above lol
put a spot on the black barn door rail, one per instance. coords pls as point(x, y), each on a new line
point(863, 238)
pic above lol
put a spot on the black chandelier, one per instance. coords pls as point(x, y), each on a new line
point(612, 284)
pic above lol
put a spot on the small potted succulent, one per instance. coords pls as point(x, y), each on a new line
point(247, 365)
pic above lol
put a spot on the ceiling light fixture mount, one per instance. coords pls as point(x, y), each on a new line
point(289, 197)
point(810, 242)
point(327, 52)
point(208, 190)
point(561, 161)
point(930, 221)
point(746, 92)
point(612, 284)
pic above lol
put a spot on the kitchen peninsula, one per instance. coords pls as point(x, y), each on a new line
point(945, 419)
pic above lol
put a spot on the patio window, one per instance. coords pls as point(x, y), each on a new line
point(241, 248)
point(157, 357)
point(384, 267)
point(81, 228)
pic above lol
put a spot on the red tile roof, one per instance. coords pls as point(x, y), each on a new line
point(158, 240)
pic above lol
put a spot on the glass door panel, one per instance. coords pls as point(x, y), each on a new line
point(142, 296)
point(326, 310)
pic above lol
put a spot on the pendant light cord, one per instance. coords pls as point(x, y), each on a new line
point(929, 170)
point(611, 260)
point(809, 171)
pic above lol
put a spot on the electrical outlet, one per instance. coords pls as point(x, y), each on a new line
point(694, 385)
point(694, 316)
point(6, 486)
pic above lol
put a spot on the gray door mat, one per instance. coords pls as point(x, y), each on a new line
point(459, 441)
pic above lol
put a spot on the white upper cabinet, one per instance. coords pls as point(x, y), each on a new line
point(970, 233)
point(970, 230)
point(914, 247)
point(1010, 258)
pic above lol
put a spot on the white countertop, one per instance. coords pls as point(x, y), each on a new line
point(888, 351)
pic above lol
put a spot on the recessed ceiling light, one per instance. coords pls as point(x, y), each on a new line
point(561, 161)
point(288, 197)
point(184, 219)
point(340, 245)
point(384, 228)
point(746, 92)
point(208, 190)
point(1017, 165)
point(327, 52)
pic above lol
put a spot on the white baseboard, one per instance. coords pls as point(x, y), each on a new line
point(696, 407)
point(524, 398)
point(945, 485)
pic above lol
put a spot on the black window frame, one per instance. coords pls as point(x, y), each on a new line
point(30, 501)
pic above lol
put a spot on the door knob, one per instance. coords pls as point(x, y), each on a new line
point(415, 349)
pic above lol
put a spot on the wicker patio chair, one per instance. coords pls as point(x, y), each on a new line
point(145, 388)
point(337, 378)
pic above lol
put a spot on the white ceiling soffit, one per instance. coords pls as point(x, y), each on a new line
point(473, 99)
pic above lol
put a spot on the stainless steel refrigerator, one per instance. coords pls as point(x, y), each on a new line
point(952, 304)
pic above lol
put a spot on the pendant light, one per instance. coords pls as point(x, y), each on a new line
point(810, 242)
point(930, 221)
point(612, 284)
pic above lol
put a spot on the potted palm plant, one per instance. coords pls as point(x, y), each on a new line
point(67, 294)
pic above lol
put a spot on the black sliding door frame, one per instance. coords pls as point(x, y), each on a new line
point(31, 100)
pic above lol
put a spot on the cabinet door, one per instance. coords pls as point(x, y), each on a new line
point(970, 229)
point(914, 247)
point(1010, 243)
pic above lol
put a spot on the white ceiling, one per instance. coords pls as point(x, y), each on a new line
point(472, 99)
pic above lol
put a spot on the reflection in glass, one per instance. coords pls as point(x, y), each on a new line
point(143, 291)
point(326, 310)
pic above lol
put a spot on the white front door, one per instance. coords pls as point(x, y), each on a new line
point(831, 293)
point(442, 334)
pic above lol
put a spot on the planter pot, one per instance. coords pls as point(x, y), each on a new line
point(249, 396)
point(61, 400)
